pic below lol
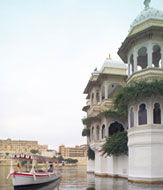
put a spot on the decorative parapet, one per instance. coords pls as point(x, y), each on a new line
point(107, 113)
point(97, 145)
point(87, 121)
point(148, 74)
point(147, 135)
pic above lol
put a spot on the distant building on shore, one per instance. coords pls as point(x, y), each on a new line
point(9, 146)
point(49, 153)
point(77, 152)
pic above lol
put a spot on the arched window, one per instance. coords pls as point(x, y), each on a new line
point(142, 114)
point(131, 64)
point(97, 96)
point(97, 132)
point(142, 58)
point(157, 114)
point(156, 56)
point(114, 128)
point(103, 132)
point(131, 117)
point(103, 93)
point(92, 98)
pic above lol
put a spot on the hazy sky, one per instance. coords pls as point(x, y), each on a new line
point(48, 49)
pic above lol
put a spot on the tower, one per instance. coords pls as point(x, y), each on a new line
point(143, 51)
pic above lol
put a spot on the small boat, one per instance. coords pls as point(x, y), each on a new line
point(32, 175)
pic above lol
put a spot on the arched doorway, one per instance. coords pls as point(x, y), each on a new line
point(114, 128)
point(103, 132)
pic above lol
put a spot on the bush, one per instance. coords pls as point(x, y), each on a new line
point(70, 160)
point(33, 151)
point(116, 145)
point(90, 154)
point(113, 113)
point(136, 91)
point(86, 132)
point(60, 159)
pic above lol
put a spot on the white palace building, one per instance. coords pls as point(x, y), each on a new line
point(142, 50)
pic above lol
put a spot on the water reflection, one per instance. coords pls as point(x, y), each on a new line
point(4, 183)
point(90, 182)
point(73, 178)
point(100, 183)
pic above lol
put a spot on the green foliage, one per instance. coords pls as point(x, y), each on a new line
point(116, 145)
point(33, 151)
point(86, 132)
point(85, 121)
point(113, 113)
point(71, 161)
point(136, 91)
point(60, 159)
point(24, 162)
point(90, 154)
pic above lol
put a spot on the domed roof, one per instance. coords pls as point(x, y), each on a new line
point(146, 14)
point(109, 63)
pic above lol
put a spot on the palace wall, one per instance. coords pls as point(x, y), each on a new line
point(108, 166)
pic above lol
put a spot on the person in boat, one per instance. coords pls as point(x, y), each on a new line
point(50, 168)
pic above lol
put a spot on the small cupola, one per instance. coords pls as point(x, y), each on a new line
point(143, 47)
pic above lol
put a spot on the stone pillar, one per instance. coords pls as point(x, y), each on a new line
point(161, 107)
point(94, 99)
point(106, 90)
point(91, 102)
point(136, 109)
point(149, 54)
point(100, 129)
point(135, 60)
point(100, 94)
point(95, 96)
point(162, 57)
point(105, 130)
point(149, 112)
point(129, 117)
point(129, 67)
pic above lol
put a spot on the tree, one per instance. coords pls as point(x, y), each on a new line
point(60, 159)
point(91, 154)
point(86, 132)
point(116, 145)
point(33, 151)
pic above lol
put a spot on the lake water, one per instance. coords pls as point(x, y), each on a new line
point(75, 178)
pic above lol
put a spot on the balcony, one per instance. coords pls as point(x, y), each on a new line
point(107, 104)
point(147, 74)
point(96, 145)
point(95, 109)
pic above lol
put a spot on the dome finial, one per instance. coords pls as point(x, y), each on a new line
point(146, 3)
point(109, 56)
